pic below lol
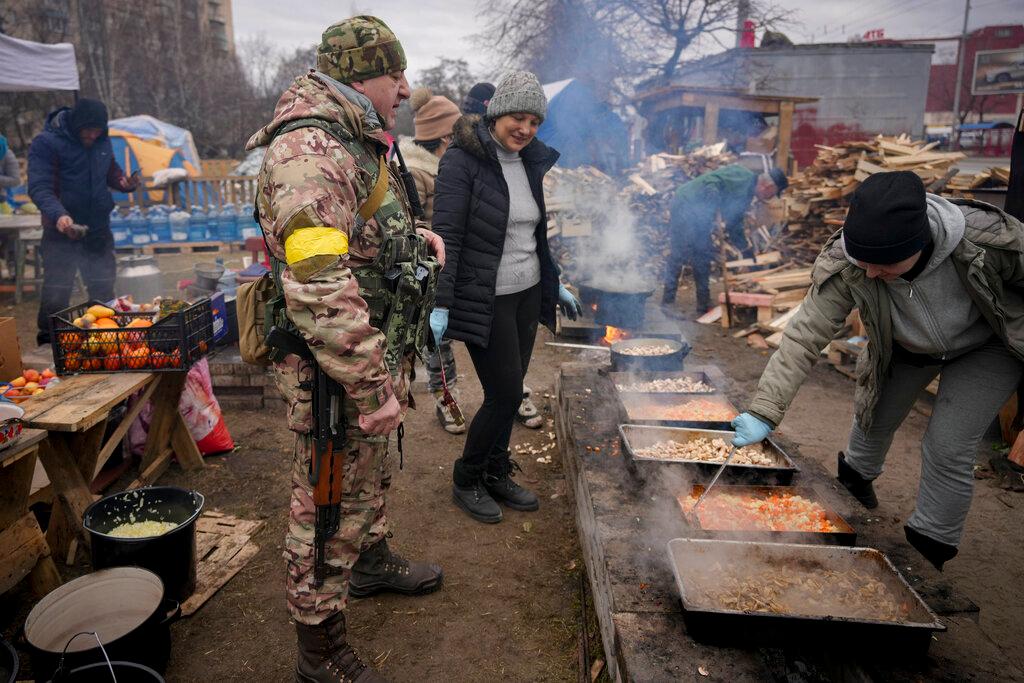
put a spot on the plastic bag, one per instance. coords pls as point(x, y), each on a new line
point(200, 410)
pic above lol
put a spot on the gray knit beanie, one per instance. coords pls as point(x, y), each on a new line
point(518, 91)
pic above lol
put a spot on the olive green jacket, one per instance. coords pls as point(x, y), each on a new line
point(989, 260)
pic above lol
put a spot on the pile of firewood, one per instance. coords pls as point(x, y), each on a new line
point(996, 176)
point(818, 196)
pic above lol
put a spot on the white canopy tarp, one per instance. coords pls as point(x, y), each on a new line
point(26, 66)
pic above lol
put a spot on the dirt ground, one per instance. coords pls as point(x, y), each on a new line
point(509, 609)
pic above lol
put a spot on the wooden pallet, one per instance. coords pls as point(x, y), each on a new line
point(183, 248)
point(223, 547)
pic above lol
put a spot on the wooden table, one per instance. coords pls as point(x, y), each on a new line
point(21, 230)
point(23, 547)
point(75, 414)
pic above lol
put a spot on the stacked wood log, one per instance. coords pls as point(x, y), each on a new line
point(818, 196)
point(996, 176)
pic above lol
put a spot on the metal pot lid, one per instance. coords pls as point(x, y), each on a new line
point(113, 602)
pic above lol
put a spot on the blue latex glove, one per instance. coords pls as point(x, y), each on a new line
point(749, 430)
point(438, 324)
point(569, 304)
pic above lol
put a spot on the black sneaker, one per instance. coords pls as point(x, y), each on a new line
point(862, 489)
point(936, 552)
point(476, 502)
point(505, 490)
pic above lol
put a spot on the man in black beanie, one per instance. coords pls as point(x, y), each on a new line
point(477, 99)
point(938, 286)
point(71, 170)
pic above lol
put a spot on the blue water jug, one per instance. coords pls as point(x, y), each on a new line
point(138, 227)
point(228, 224)
point(247, 225)
point(179, 221)
point(119, 227)
point(160, 224)
point(197, 225)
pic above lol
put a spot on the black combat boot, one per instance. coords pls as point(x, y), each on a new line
point(936, 552)
point(501, 487)
point(477, 502)
point(379, 569)
point(326, 657)
point(862, 489)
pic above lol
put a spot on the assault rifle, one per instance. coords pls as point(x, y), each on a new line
point(327, 460)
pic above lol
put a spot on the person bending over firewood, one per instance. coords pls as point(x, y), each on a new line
point(727, 191)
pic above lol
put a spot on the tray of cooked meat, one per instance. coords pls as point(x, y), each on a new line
point(704, 450)
point(696, 411)
point(783, 514)
point(662, 383)
point(786, 595)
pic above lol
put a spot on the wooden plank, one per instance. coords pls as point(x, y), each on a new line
point(747, 299)
point(26, 445)
point(150, 474)
point(81, 401)
point(712, 316)
point(21, 546)
point(767, 258)
point(710, 123)
point(785, 135)
point(211, 578)
point(15, 484)
point(126, 422)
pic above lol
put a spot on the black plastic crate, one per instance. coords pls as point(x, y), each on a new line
point(172, 344)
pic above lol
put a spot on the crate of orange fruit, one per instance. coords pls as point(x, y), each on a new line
point(91, 337)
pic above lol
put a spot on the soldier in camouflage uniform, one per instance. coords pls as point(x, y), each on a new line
point(313, 182)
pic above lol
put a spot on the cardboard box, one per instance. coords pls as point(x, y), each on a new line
point(10, 351)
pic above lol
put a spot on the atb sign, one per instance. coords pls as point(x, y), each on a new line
point(998, 71)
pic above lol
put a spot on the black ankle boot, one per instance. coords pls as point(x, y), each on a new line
point(862, 489)
point(326, 657)
point(379, 569)
point(476, 502)
point(500, 485)
point(936, 552)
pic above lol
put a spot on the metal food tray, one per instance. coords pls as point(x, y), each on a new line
point(844, 536)
point(644, 409)
point(721, 625)
point(633, 377)
point(640, 436)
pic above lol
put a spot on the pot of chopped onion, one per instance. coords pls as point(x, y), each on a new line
point(154, 528)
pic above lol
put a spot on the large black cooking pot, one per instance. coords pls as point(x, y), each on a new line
point(8, 662)
point(121, 672)
point(172, 556)
point(619, 304)
point(622, 361)
point(125, 606)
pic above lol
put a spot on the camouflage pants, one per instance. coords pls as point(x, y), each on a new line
point(434, 360)
point(367, 477)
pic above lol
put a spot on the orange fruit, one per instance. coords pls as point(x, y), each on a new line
point(70, 340)
point(112, 363)
point(72, 362)
point(140, 322)
point(137, 358)
point(31, 375)
point(174, 360)
point(91, 364)
point(19, 382)
point(106, 322)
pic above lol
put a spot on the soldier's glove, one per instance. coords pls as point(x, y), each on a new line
point(749, 430)
point(438, 324)
point(570, 305)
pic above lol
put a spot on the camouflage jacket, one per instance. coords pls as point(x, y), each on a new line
point(309, 179)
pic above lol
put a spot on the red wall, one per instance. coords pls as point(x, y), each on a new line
point(942, 83)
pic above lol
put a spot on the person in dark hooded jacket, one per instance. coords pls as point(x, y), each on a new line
point(499, 280)
point(71, 171)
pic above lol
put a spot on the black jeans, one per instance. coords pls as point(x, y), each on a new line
point(62, 258)
point(501, 368)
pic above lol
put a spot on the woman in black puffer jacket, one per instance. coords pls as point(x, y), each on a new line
point(499, 279)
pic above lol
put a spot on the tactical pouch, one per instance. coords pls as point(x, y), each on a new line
point(253, 300)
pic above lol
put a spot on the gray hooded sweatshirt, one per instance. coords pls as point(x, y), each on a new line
point(933, 314)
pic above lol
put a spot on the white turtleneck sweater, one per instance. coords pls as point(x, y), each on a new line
point(520, 266)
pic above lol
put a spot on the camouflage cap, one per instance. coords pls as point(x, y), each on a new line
point(359, 48)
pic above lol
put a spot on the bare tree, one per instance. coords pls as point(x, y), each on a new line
point(450, 78)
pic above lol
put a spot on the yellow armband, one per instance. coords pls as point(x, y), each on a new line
point(306, 243)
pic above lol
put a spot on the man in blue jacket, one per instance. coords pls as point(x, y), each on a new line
point(726, 191)
point(71, 170)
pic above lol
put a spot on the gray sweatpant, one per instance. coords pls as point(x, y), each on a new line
point(972, 389)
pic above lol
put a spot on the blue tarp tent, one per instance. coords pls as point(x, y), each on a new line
point(583, 128)
point(173, 137)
